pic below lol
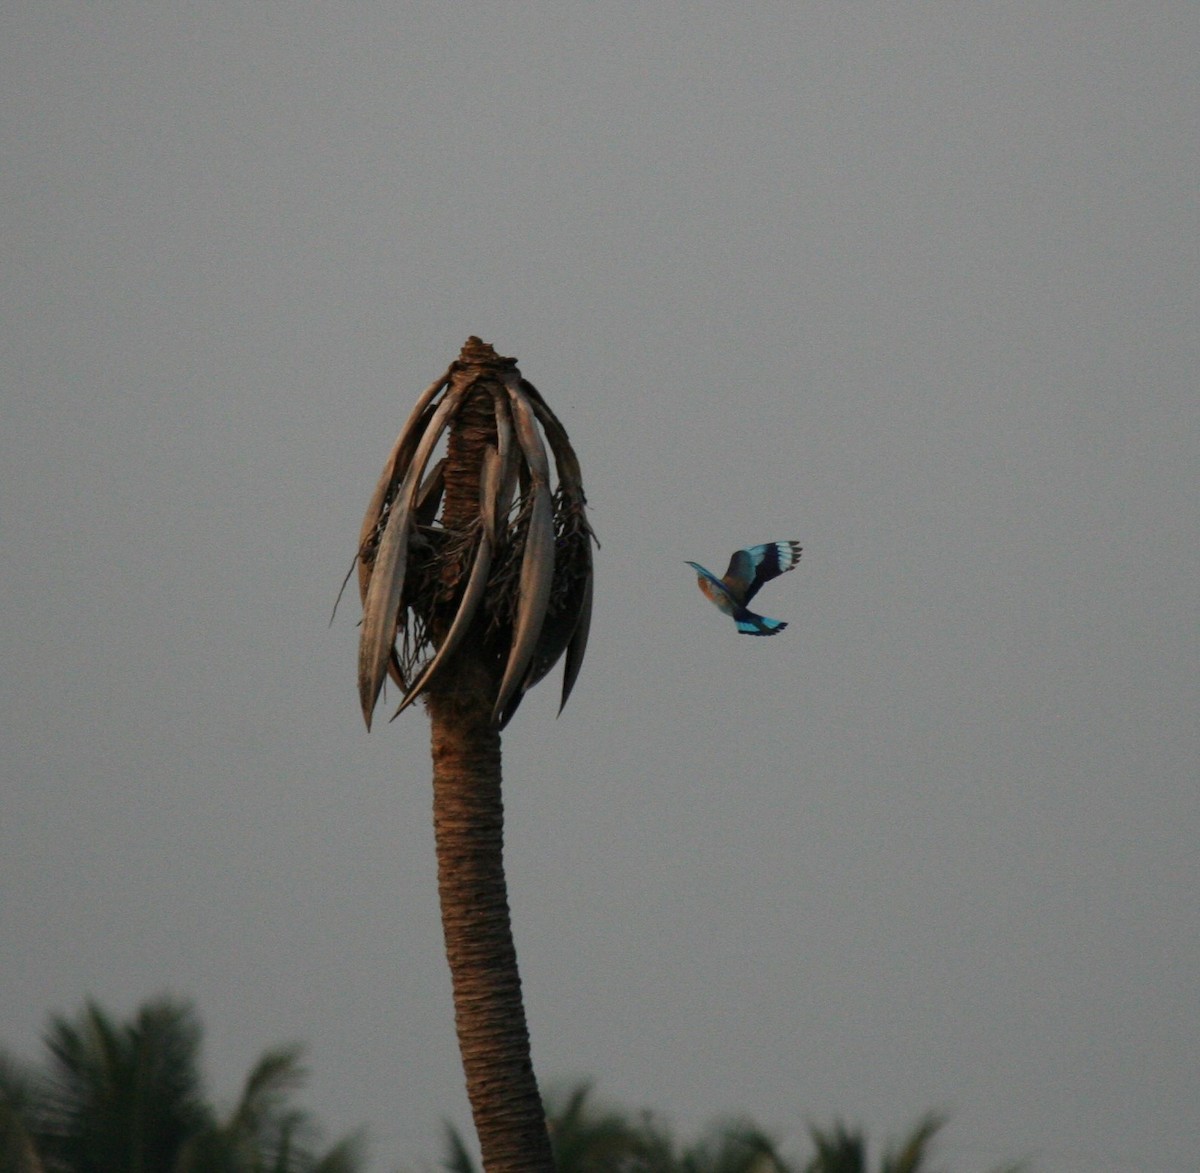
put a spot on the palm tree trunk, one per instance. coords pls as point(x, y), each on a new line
point(468, 819)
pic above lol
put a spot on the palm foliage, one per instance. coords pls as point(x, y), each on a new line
point(18, 1146)
point(844, 1150)
point(128, 1098)
point(265, 1133)
point(120, 1096)
point(589, 1138)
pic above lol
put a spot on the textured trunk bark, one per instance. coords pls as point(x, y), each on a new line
point(468, 818)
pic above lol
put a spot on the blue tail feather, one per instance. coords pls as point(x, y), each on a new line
point(750, 624)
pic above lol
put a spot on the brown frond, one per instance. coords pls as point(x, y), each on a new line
point(481, 552)
point(381, 606)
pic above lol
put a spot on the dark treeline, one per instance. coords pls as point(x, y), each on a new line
point(130, 1097)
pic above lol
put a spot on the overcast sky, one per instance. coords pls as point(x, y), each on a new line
point(913, 284)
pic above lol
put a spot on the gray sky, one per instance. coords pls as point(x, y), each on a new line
point(913, 284)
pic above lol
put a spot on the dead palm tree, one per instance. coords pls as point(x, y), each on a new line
point(476, 577)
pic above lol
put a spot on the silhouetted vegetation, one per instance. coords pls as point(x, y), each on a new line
point(129, 1098)
point(589, 1138)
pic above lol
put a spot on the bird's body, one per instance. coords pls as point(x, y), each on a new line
point(748, 570)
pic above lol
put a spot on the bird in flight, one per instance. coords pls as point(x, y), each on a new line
point(748, 570)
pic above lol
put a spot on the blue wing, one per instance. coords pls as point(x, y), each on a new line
point(750, 568)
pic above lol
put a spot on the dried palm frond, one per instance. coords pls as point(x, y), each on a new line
point(481, 549)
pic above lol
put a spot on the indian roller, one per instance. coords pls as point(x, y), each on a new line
point(748, 570)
